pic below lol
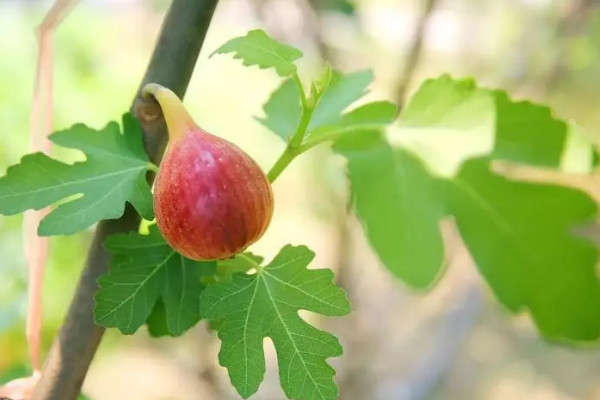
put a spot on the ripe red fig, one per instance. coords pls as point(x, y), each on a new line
point(211, 200)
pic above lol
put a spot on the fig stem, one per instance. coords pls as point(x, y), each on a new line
point(176, 116)
point(333, 135)
point(282, 162)
point(303, 100)
point(250, 261)
point(152, 167)
point(292, 149)
point(307, 110)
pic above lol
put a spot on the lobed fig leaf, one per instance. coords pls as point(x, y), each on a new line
point(113, 173)
point(144, 271)
point(257, 48)
point(251, 307)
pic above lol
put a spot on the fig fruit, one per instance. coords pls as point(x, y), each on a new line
point(211, 199)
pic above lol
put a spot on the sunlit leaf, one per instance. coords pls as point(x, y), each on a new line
point(257, 48)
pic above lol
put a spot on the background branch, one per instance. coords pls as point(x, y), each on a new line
point(172, 64)
point(414, 52)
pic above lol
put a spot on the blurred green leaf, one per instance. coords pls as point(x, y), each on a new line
point(395, 199)
point(373, 115)
point(527, 132)
point(144, 269)
point(257, 48)
point(283, 110)
point(113, 173)
point(342, 91)
point(266, 304)
point(319, 85)
point(519, 234)
point(346, 7)
point(331, 93)
point(453, 119)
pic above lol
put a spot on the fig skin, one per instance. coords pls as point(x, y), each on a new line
point(211, 199)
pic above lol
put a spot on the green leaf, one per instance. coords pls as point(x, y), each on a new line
point(113, 173)
point(157, 321)
point(442, 102)
point(446, 122)
point(242, 263)
point(520, 235)
point(331, 94)
point(283, 110)
point(318, 86)
point(541, 144)
point(257, 48)
point(342, 90)
point(144, 269)
point(266, 304)
point(450, 120)
point(373, 115)
point(394, 197)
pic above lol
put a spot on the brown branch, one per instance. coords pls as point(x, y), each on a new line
point(172, 63)
point(414, 53)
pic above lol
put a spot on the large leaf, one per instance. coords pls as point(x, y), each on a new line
point(520, 235)
point(543, 141)
point(266, 304)
point(395, 199)
point(257, 48)
point(448, 121)
point(445, 122)
point(144, 269)
point(113, 173)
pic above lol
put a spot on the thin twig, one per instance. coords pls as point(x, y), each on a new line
point(36, 247)
point(171, 65)
point(415, 51)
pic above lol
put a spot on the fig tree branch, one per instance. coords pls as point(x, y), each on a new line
point(414, 52)
point(172, 63)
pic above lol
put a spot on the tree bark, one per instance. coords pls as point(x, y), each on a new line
point(172, 64)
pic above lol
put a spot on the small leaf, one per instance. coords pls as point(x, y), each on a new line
point(341, 91)
point(395, 200)
point(113, 173)
point(321, 84)
point(257, 48)
point(283, 110)
point(266, 304)
point(145, 268)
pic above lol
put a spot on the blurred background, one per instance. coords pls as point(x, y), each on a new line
point(453, 342)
